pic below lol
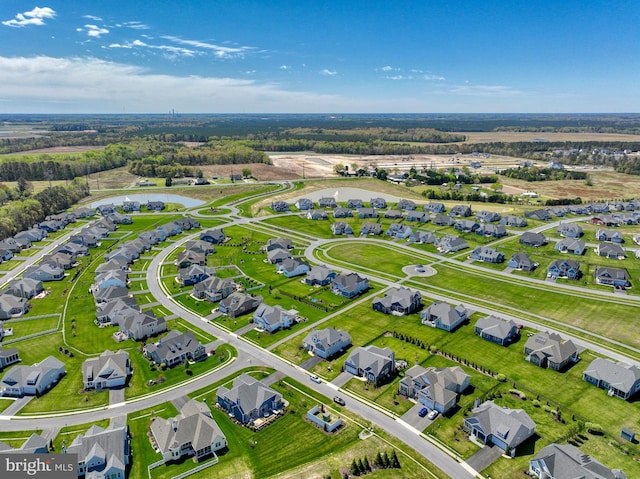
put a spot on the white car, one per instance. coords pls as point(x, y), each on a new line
point(316, 379)
point(432, 414)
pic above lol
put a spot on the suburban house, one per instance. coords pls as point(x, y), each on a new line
point(569, 230)
point(129, 206)
point(349, 285)
point(466, 226)
point(33, 380)
point(529, 238)
point(102, 453)
point(503, 427)
point(372, 363)
point(522, 262)
point(418, 216)
point(214, 289)
point(355, 203)
point(443, 220)
point(317, 215)
point(12, 306)
point(491, 230)
point(8, 356)
point(422, 237)
point(540, 215)
point(35, 444)
point(609, 235)
point(444, 316)
point(293, 267)
point(155, 205)
point(44, 272)
point(327, 202)
point(514, 221)
point(378, 203)
point(278, 255)
point(342, 213)
point(398, 301)
point(106, 312)
point(460, 210)
point(24, 287)
point(566, 268)
point(370, 229)
point(406, 205)
point(341, 228)
point(278, 243)
point(304, 204)
point(610, 250)
point(488, 216)
point(109, 370)
point(120, 219)
point(618, 379)
point(194, 274)
point(214, 236)
point(487, 254)
point(188, 258)
point(433, 207)
point(175, 348)
point(109, 294)
point(399, 231)
point(450, 244)
point(111, 279)
point(139, 325)
point(192, 433)
point(249, 399)
point(319, 276)
point(367, 213)
point(326, 343)
point(237, 304)
point(560, 461)
point(127, 254)
point(199, 246)
point(273, 318)
point(279, 206)
point(496, 330)
point(616, 277)
point(393, 214)
point(435, 388)
point(571, 246)
point(59, 260)
point(548, 350)
point(5, 255)
point(186, 223)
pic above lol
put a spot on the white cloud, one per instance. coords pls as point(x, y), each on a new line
point(386, 68)
point(95, 31)
point(399, 77)
point(94, 85)
point(92, 17)
point(36, 17)
point(328, 72)
point(285, 67)
point(484, 90)
point(431, 76)
point(169, 50)
point(219, 51)
point(136, 25)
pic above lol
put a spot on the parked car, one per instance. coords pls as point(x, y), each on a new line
point(338, 400)
point(423, 412)
point(433, 414)
point(316, 379)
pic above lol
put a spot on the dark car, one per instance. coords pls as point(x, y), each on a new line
point(338, 400)
point(423, 412)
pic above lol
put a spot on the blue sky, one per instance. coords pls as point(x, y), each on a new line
point(301, 56)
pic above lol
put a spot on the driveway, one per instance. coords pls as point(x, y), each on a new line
point(411, 417)
point(116, 396)
point(484, 457)
point(311, 362)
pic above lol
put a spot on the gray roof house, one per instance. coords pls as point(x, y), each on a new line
point(237, 304)
point(488, 216)
point(200, 246)
point(35, 444)
point(194, 274)
point(466, 226)
point(102, 453)
point(370, 229)
point(378, 203)
point(398, 301)
point(529, 238)
point(444, 316)
point(503, 427)
point(32, 380)
point(564, 461)
point(192, 433)
point(108, 279)
point(319, 276)
point(304, 204)
point(496, 330)
point(436, 388)
point(609, 235)
point(317, 215)
point(422, 237)
point(616, 277)
point(570, 245)
point(273, 318)
point(342, 213)
point(326, 343)
point(610, 250)
point(450, 244)
point(108, 294)
point(619, 379)
point(12, 306)
point(327, 202)
point(564, 269)
point(349, 285)
point(569, 230)
point(24, 287)
point(109, 370)
point(188, 258)
point(372, 363)
point(106, 312)
point(278, 243)
point(419, 216)
point(393, 214)
point(522, 261)
point(434, 207)
point(139, 325)
point(341, 228)
point(514, 221)
point(367, 213)
point(460, 210)
point(8, 356)
point(44, 272)
point(406, 205)
point(215, 236)
point(443, 220)
point(491, 230)
point(354, 203)
point(548, 350)
point(291, 267)
point(278, 255)
point(175, 348)
point(249, 399)
point(487, 254)
point(214, 289)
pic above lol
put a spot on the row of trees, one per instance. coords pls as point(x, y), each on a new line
point(362, 466)
point(426, 135)
point(532, 173)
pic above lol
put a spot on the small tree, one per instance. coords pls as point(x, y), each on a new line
point(361, 468)
point(168, 181)
point(395, 463)
point(246, 173)
point(367, 466)
point(354, 468)
point(378, 461)
point(386, 463)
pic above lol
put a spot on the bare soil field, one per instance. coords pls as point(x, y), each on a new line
point(514, 136)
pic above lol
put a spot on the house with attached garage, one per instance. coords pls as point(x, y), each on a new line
point(418, 216)
point(341, 228)
point(175, 348)
point(293, 267)
point(304, 204)
point(5, 255)
point(106, 312)
point(503, 427)
point(399, 231)
point(540, 215)
point(199, 246)
point(444, 316)
point(378, 203)
point(488, 216)
point(192, 433)
point(422, 237)
point(273, 318)
point(461, 210)
point(214, 289)
point(279, 206)
point(610, 250)
point(194, 274)
point(560, 461)
point(487, 254)
point(140, 325)
point(24, 287)
point(435, 388)
point(514, 221)
point(566, 268)
point(349, 285)
point(12, 306)
point(319, 276)
point(466, 226)
point(44, 272)
point(113, 265)
point(33, 380)
point(450, 244)
point(111, 279)
point(370, 229)
point(102, 453)
point(326, 343)
point(317, 215)
point(249, 399)
point(190, 258)
point(571, 246)
point(327, 202)
point(548, 350)
point(354, 203)
point(215, 236)
point(406, 205)
point(372, 363)
point(393, 214)
point(278, 255)
point(491, 230)
point(342, 213)
point(120, 219)
point(618, 379)
point(109, 294)
point(496, 330)
point(443, 220)
point(616, 277)
point(569, 230)
point(109, 370)
point(528, 238)
point(398, 301)
point(155, 205)
point(433, 207)
point(278, 243)
point(522, 262)
point(367, 213)
point(237, 304)
point(8, 356)
point(609, 235)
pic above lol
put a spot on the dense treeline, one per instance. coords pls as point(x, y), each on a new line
point(21, 211)
point(427, 135)
point(532, 173)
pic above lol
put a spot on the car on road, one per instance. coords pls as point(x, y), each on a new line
point(316, 379)
point(338, 400)
point(423, 412)
point(433, 414)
